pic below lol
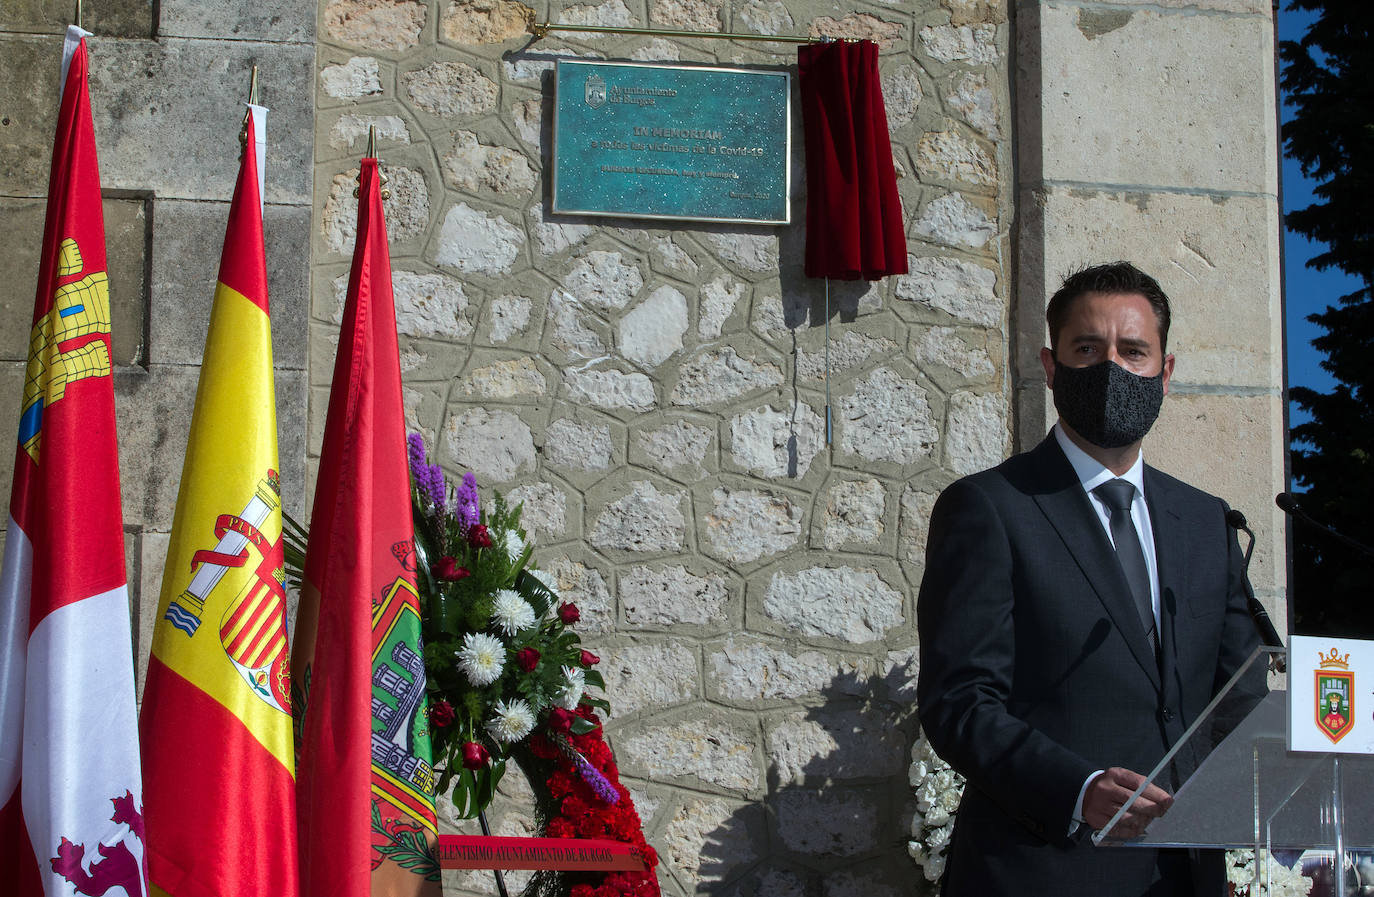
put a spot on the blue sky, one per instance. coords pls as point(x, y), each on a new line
point(1306, 290)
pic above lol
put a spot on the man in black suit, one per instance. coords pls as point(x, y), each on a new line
point(1070, 630)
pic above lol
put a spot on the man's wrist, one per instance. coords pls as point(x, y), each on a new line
point(1078, 804)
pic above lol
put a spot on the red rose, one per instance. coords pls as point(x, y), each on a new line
point(560, 720)
point(448, 570)
point(588, 659)
point(478, 537)
point(568, 613)
point(441, 714)
point(528, 658)
point(474, 755)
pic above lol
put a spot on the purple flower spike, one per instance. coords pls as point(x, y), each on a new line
point(600, 784)
point(465, 503)
point(429, 479)
point(415, 449)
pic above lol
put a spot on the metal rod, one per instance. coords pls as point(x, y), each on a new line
point(486, 830)
point(371, 142)
point(828, 429)
point(78, 14)
point(540, 30)
point(244, 136)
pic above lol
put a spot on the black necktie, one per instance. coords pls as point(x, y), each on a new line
point(1117, 496)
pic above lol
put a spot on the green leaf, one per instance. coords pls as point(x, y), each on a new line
point(582, 726)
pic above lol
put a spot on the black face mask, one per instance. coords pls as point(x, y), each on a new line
point(1107, 404)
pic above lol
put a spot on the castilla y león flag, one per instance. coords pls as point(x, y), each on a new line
point(367, 823)
point(70, 796)
point(219, 770)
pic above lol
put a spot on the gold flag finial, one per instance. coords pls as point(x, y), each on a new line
point(372, 154)
point(252, 101)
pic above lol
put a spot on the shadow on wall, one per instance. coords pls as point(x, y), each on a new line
point(837, 816)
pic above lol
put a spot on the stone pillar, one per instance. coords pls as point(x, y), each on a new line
point(1147, 132)
point(168, 81)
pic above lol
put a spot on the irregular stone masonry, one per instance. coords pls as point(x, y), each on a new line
point(655, 394)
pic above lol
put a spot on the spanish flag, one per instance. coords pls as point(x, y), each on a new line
point(365, 794)
point(216, 719)
point(70, 796)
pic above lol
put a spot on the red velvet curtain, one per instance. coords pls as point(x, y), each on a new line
point(853, 215)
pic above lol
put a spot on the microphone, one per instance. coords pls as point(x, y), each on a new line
point(1289, 505)
point(1263, 625)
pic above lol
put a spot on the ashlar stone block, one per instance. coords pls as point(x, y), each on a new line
point(887, 417)
point(1216, 257)
point(646, 519)
point(677, 449)
point(747, 524)
point(834, 823)
point(707, 749)
point(851, 604)
point(774, 443)
point(496, 445)
point(746, 669)
point(477, 22)
point(707, 839)
point(652, 331)
point(390, 25)
point(649, 677)
point(669, 595)
point(1207, 91)
point(854, 514)
point(829, 744)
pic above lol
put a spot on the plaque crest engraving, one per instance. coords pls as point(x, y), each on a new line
point(596, 91)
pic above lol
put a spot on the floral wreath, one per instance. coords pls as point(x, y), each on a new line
point(508, 679)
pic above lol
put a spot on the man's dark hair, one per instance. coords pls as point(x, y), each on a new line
point(1112, 278)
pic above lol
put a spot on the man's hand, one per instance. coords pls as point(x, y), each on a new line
point(1109, 791)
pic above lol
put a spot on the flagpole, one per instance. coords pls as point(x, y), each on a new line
point(252, 101)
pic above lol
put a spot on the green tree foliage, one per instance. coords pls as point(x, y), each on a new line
point(1328, 77)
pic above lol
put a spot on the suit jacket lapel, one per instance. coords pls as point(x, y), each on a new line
point(1070, 512)
point(1171, 560)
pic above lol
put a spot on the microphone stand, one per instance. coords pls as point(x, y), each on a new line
point(1265, 626)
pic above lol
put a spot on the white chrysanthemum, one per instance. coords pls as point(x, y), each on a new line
point(511, 613)
point(482, 658)
point(513, 721)
point(514, 545)
point(548, 580)
point(570, 695)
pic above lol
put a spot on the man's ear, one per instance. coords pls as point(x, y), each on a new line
point(1047, 362)
point(1168, 371)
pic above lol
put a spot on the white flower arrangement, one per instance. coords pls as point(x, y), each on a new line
point(938, 792)
point(482, 658)
point(1283, 881)
point(514, 545)
point(571, 693)
point(513, 721)
point(511, 613)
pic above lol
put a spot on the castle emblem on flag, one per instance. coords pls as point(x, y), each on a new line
point(69, 343)
point(401, 773)
point(1335, 684)
point(253, 627)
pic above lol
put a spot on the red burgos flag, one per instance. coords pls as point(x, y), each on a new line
point(218, 757)
point(71, 800)
point(364, 779)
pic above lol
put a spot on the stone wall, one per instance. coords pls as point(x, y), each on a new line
point(654, 393)
point(167, 85)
